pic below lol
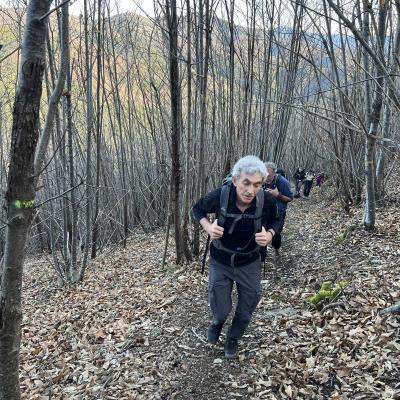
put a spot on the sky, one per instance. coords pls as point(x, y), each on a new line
point(146, 7)
point(76, 6)
point(141, 6)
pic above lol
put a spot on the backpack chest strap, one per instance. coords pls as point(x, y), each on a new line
point(223, 214)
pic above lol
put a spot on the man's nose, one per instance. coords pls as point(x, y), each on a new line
point(252, 190)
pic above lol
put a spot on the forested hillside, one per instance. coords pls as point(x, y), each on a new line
point(113, 125)
point(294, 93)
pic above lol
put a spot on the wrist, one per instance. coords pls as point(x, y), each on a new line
point(271, 231)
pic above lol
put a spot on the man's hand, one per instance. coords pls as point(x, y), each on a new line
point(214, 230)
point(264, 237)
point(274, 192)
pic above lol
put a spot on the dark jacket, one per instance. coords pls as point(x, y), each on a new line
point(283, 186)
point(299, 175)
point(243, 233)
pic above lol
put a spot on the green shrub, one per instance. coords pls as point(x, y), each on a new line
point(327, 293)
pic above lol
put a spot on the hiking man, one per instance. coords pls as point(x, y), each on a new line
point(320, 179)
point(299, 176)
point(279, 187)
point(246, 221)
point(308, 182)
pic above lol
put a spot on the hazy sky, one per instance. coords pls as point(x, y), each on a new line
point(119, 5)
point(146, 7)
point(116, 5)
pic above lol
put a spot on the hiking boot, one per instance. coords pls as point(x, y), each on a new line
point(231, 348)
point(214, 331)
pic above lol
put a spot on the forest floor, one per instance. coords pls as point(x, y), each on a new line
point(132, 330)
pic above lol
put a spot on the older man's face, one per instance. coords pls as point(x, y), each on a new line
point(270, 174)
point(247, 187)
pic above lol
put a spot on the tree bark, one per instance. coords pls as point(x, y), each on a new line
point(395, 309)
point(20, 193)
point(89, 126)
point(100, 83)
point(176, 124)
point(386, 131)
point(231, 125)
point(370, 200)
point(40, 155)
point(185, 222)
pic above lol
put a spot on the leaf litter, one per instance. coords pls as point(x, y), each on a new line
point(134, 331)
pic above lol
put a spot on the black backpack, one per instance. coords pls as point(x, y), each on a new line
point(273, 183)
point(281, 172)
point(227, 180)
point(223, 215)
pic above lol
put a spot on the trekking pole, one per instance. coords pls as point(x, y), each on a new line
point(265, 266)
point(205, 255)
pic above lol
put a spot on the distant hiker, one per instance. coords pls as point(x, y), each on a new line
point(299, 176)
point(279, 187)
point(308, 182)
point(320, 179)
point(246, 222)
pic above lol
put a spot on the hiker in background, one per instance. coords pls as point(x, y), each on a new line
point(299, 176)
point(279, 187)
point(308, 182)
point(246, 221)
point(320, 179)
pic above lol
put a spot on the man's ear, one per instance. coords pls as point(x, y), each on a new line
point(235, 180)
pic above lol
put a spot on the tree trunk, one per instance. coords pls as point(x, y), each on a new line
point(386, 131)
point(89, 126)
point(231, 125)
point(40, 155)
point(20, 193)
point(100, 83)
point(176, 124)
point(185, 223)
point(72, 235)
point(370, 200)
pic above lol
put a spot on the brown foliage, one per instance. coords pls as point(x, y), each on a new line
point(132, 331)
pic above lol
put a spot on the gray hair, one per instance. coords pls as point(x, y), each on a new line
point(249, 165)
point(270, 164)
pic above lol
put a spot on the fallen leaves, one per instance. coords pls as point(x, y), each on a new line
point(132, 331)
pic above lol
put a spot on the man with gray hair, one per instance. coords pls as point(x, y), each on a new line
point(246, 221)
point(279, 187)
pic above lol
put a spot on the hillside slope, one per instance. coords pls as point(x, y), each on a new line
point(133, 331)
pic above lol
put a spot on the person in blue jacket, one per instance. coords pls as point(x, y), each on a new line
point(279, 187)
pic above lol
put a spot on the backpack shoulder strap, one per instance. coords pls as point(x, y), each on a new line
point(259, 210)
point(223, 203)
point(223, 208)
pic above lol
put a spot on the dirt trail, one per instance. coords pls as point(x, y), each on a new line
point(208, 375)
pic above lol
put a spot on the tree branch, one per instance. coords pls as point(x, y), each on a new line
point(377, 61)
point(60, 195)
point(40, 19)
point(55, 9)
point(395, 309)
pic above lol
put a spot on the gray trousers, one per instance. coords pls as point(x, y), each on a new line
point(220, 285)
point(298, 186)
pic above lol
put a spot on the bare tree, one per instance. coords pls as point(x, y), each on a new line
point(186, 211)
point(379, 61)
point(20, 193)
point(176, 122)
